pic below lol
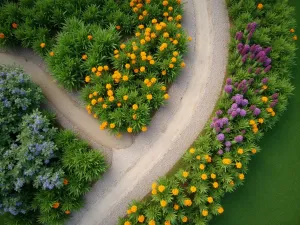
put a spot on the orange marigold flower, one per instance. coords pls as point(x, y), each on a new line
point(203, 176)
point(66, 182)
point(14, 25)
point(185, 174)
point(129, 129)
point(240, 151)
point(260, 6)
point(210, 199)
point(149, 97)
point(226, 161)
point(90, 37)
point(135, 107)
point(2, 35)
point(182, 64)
point(161, 188)
point(215, 184)
point(122, 46)
point(202, 166)
point(187, 202)
point(253, 151)
point(134, 208)
point(175, 191)
point(127, 223)
point(51, 54)
point(163, 203)
point(295, 38)
point(84, 57)
point(144, 128)
point(213, 176)
point(184, 219)
point(193, 189)
point(176, 207)
point(239, 165)
point(141, 218)
point(55, 205)
point(87, 79)
point(204, 213)
point(192, 150)
point(118, 27)
point(220, 210)
point(152, 222)
point(67, 212)
point(241, 176)
point(166, 96)
point(165, 3)
point(42, 45)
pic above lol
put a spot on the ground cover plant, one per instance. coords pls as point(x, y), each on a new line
point(44, 171)
point(256, 93)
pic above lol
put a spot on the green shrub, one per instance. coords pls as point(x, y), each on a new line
point(254, 97)
point(44, 172)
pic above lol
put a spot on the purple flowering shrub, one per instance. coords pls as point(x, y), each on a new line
point(18, 96)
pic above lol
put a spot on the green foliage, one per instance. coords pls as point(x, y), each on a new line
point(192, 195)
point(44, 172)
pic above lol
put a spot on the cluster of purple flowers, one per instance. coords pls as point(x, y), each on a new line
point(253, 52)
point(236, 108)
point(255, 110)
point(274, 100)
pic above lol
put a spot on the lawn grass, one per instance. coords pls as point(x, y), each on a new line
point(271, 193)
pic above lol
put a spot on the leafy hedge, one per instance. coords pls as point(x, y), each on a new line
point(44, 171)
point(256, 93)
point(35, 23)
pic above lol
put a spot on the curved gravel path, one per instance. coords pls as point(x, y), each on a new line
point(175, 126)
point(137, 162)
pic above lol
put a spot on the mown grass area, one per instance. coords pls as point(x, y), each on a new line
point(271, 192)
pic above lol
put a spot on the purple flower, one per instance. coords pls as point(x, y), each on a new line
point(219, 112)
point(265, 80)
point(244, 59)
point(225, 120)
point(228, 81)
point(250, 68)
point(227, 149)
point(240, 47)
point(243, 131)
point(268, 50)
point(228, 89)
point(268, 62)
point(250, 35)
point(275, 96)
point(256, 111)
point(245, 50)
point(227, 143)
point(239, 36)
point(218, 129)
point(260, 54)
point(239, 138)
point(221, 137)
point(227, 130)
point(257, 71)
point(253, 48)
point(267, 69)
point(243, 113)
point(252, 107)
point(245, 102)
point(220, 152)
point(273, 104)
point(234, 114)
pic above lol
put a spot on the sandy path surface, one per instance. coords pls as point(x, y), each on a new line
point(174, 127)
point(137, 163)
point(69, 112)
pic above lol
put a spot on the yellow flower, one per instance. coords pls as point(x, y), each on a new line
point(185, 174)
point(193, 189)
point(94, 69)
point(178, 25)
point(98, 74)
point(202, 166)
point(154, 21)
point(184, 219)
point(84, 57)
point(171, 65)
point(226, 161)
point(141, 17)
point(260, 6)
point(125, 97)
point(292, 30)
point(215, 184)
point(176, 207)
point(175, 42)
point(149, 97)
point(154, 191)
point(165, 3)
point(164, 72)
point(204, 212)
point(133, 208)
point(203, 176)
point(182, 64)
point(175, 53)
point(166, 96)
point(170, 8)
point(241, 176)
point(251, 122)
point(144, 128)
point(111, 98)
point(51, 54)
point(152, 62)
point(143, 41)
point(129, 211)
point(166, 14)
point(122, 46)
point(110, 93)
point(149, 84)
point(163, 203)
point(213, 176)
point(104, 106)
point(151, 222)
point(141, 26)
point(129, 129)
point(210, 199)
point(178, 17)
point(187, 202)
point(161, 188)
point(175, 191)
point(43, 45)
point(127, 223)
point(112, 125)
point(141, 218)
point(119, 104)
point(94, 102)
point(239, 165)
point(174, 60)
point(87, 79)
point(125, 78)
point(100, 99)
point(154, 185)
point(240, 151)
point(264, 99)
point(261, 120)
point(142, 69)
point(106, 68)
point(167, 222)
point(135, 107)
point(158, 27)
point(95, 93)
point(253, 151)
point(220, 210)
point(190, 38)
point(192, 150)
point(198, 157)
point(127, 66)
